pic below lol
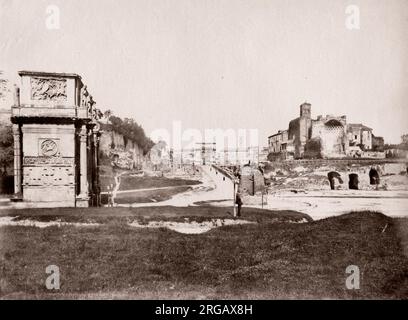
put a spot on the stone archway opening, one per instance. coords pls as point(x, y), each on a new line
point(374, 177)
point(333, 176)
point(353, 181)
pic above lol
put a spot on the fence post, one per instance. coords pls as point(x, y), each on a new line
point(233, 200)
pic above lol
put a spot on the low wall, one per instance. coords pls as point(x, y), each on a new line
point(224, 172)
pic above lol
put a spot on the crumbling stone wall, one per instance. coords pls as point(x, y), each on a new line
point(313, 148)
point(313, 175)
point(252, 181)
point(299, 133)
point(130, 154)
point(333, 136)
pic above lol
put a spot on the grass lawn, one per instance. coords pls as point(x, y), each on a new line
point(270, 259)
point(129, 182)
point(149, 195)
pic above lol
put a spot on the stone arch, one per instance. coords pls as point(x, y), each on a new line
point(374, 176)
point(353, 181)
point(333, 176)
point(333, 123)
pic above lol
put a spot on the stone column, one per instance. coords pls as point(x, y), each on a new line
point(17, 161)
point(83, 152)
point(96, 183)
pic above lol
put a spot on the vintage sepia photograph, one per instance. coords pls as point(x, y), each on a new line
point(203, 150)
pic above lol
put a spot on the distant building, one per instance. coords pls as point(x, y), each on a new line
point(323, 137)
point(205, 153)
point(238, 156)
point(280, 145)
point(360, 135)
point(202, 153)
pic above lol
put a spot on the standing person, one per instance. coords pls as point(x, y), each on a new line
point(238, 202)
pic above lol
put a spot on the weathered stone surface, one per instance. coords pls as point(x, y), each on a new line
point(56, 142)
point(48, 89)
point(252, 181)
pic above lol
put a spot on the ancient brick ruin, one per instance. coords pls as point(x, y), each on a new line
point(324, 137)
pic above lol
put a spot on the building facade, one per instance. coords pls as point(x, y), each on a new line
point(279, 142)
point(360, 135)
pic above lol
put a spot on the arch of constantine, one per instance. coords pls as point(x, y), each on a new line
point(56, 139)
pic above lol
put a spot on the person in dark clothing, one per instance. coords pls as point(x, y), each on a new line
point(238, 202)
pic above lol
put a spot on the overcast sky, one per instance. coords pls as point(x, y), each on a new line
point(222, 63)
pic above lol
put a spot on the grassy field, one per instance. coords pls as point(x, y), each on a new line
point(271, 259)
point(149, 195)
point(129, 182)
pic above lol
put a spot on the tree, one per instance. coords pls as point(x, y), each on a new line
point(131, 130)
point(6, 147)
point(107, 114)
point(404, 139)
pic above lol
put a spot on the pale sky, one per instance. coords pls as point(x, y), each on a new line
point(238, 64)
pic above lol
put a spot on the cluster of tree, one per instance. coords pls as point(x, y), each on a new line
point(130, 130)
point(397, 150)
point(127, 127)
point(401, 146)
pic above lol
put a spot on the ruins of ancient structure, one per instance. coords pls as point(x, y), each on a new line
point(324, 137)
point(56, 138)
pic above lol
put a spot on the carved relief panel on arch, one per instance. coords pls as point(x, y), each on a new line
point(49, 147)
point(49, 89)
